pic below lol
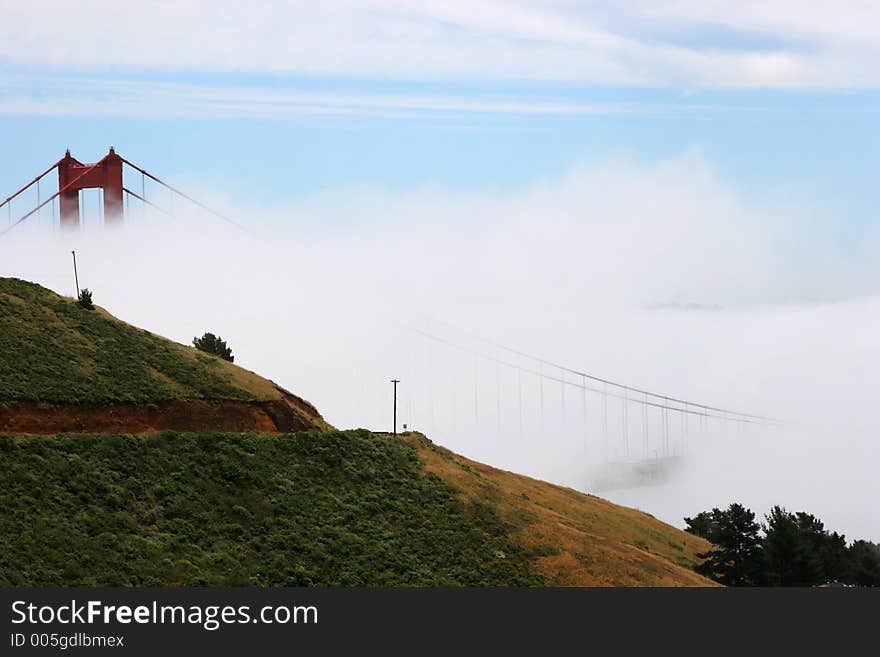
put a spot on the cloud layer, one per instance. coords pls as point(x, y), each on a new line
point(687, 44)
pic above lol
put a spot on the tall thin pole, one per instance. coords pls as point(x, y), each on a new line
point(395, 382)
point(498, 396)
point(519, 395)
point(75, 275)
point(476, 392)
point(605, 417)
point(584, 410)
point(541, 384)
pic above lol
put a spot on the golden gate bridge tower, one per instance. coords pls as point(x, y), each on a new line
point(107, 175)
point(73, 176)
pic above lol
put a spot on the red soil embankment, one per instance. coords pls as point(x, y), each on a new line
point(180, 415)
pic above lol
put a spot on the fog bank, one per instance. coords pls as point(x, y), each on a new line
point(659, 276)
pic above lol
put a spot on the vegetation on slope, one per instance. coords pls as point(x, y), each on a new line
point(576, 539)
point(54, 350)
point(333, 508)
point(327, 508)
point(210, 508)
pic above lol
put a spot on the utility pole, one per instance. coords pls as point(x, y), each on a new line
point(75, 275)
point(395, 382)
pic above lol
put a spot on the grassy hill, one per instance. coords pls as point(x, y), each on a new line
point(107, 497)
point(573, 539)
point(220, 509)
point(58, 354)
point(332, 508)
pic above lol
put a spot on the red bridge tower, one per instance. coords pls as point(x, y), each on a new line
point(106, 174)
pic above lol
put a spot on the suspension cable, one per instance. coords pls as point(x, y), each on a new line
point(694, 409)
point(32, 182)
point(143, 200)
point(186, 196)
point(51, 198)
point(609, 382)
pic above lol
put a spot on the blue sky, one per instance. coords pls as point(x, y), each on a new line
point(767, 143)
point(285, 100)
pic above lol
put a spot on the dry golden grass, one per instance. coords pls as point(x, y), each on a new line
point(260, 388)
point(577, 539)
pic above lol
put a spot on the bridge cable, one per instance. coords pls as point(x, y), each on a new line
point(144, 200)
point(541, 383)
point(605, 416)
point(584, 413)
point(26, 187)
point(186, 196)
point(51, 198)
point(694, 409)
point(519, 394)
point(615, 384)
point(498, 397)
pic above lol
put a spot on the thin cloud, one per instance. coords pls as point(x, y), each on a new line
point(92, 96)
point(779, 45)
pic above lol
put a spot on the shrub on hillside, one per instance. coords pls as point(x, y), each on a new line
point(212, 344)
point(85, 299)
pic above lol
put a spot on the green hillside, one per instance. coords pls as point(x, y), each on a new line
point(65, 368)
point(218, 509)
point(56, 351)
point(332, 508)
point(94, 490)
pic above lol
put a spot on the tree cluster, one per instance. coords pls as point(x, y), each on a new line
point(787, 549)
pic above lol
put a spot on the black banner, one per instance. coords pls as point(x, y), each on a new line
point(460, 621)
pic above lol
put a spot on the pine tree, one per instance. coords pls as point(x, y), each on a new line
point(736, 559)
point(702, 525)
point(85, 299)
point(212, 344)
point(790, 547)
point(863, 564)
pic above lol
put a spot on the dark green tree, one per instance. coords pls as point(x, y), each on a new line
point(85, 299)
point(736, 559)
point(829, 549)
point(790, 549)
point(703, 525)
point(796, 550)
point(212, 344)
point(863, 564)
